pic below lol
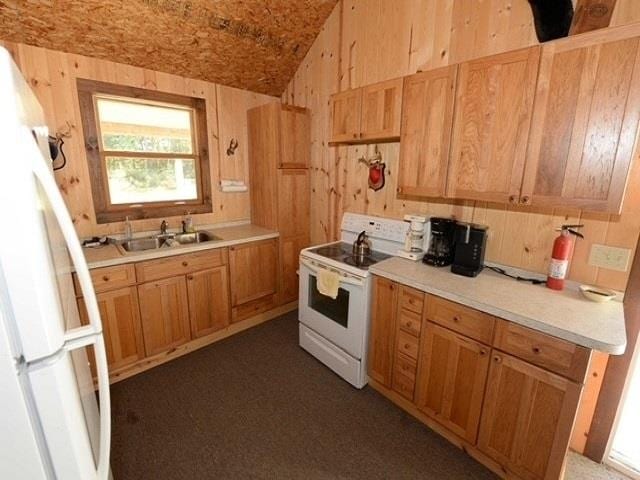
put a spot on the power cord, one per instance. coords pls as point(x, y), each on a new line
point(501, 271)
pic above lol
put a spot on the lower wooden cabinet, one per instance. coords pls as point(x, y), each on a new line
point(446, 364)
point(253, 271)
point(121, 326)
point(527, 417)
point(289, 261)
point(452, 374)
point(208, 294)
point(164, 309)
point(383, 330)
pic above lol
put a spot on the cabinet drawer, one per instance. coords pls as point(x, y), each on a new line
point(551, 353)
point(461, 319)
point(407, 344)
point(406, 366)
point(109, 278)
point(180, 264)
point(411, 299)
point(404, 385)
point(410, 322)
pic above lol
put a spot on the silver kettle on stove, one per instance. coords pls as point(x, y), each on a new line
point(362, 245)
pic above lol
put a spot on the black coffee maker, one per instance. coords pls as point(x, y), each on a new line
point(470, 242)
point(440, 253)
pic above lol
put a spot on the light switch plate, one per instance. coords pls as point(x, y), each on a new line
point(613, 258)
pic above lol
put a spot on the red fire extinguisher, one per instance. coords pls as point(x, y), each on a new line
point(559, 264)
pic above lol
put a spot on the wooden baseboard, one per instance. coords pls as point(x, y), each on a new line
point(462, 444)
point(151, 362)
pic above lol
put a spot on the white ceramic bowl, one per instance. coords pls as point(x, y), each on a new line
point(597, 294)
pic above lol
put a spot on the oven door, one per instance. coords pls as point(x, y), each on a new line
point(342, 321)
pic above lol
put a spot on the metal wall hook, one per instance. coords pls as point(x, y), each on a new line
point(233, 145)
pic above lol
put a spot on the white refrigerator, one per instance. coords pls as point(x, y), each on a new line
point(54, 424)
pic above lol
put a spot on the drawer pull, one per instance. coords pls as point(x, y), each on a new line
point(105, 278)
point(185, 264)
point(483, 352)
point(536, 350)
point(189, 277)
point(407, 346)
point(456, 319)
point(497, 359)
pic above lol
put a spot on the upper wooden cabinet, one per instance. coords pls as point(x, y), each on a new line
point(494, 105)
point(427, 121)
point(345, 116)
point(367, 114)
point(585, 121)
point(295, 137)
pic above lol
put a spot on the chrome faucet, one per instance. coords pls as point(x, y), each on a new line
point(163, 227)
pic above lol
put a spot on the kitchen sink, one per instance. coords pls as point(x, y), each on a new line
point(166, 241)
point(196, 237)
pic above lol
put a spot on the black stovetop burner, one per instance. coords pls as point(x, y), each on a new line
point(342, 252)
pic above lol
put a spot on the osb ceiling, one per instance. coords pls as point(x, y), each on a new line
point(251, 44)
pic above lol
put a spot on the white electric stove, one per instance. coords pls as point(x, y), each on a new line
point(336, 331)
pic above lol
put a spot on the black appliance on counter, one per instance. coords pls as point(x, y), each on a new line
point(470, 242)
point(440, 253)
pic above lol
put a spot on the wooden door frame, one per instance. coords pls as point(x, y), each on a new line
point(616, 373)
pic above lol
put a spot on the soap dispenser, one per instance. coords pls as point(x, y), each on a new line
point(187, 224)
point(128, 230)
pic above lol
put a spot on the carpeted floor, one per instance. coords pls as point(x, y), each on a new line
point(256, 406)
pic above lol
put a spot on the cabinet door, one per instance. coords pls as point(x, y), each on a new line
point(293, 202)
point(289, 254)
point(345, 116)
point(383, 330)
point(381, 110)
point(121, 325)
point(452, 374)
point(585, 122)
point(527, 418)
point(164, 309)
point(494, 104)
point(208, 293)
point(295, 137)
point(427, 121)
point(253, 271)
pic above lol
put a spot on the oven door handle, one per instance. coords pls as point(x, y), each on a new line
point(343, 279)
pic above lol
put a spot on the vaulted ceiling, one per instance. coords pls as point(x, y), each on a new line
point(251, 44)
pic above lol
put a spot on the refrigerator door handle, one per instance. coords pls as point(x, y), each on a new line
point(92, 333)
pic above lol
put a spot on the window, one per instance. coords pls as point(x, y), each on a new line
point(147, 152)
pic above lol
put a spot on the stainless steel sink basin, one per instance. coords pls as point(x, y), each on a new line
point(196, 237)
point(166, 241)
point(141, 244)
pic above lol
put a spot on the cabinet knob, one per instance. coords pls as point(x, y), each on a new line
point(407, 346)
point(399, 190)
point(525, 200)
point(483, 352)
point(497, 359)
point(105, 278)
point(456, 319)
point(513, 199)
point(189, 277)
point(536, 350)
point(185, 264)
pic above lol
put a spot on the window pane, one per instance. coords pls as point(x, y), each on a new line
point(136, 127)
point(139, 180)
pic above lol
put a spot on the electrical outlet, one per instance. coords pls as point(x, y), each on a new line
point(613, 258)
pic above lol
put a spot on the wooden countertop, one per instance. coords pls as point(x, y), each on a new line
point(109, 255)
point(567, 314)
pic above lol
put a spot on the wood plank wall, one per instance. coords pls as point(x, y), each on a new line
point(52, 76)
point(366, 41)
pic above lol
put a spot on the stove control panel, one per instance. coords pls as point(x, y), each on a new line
point(376, 227)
